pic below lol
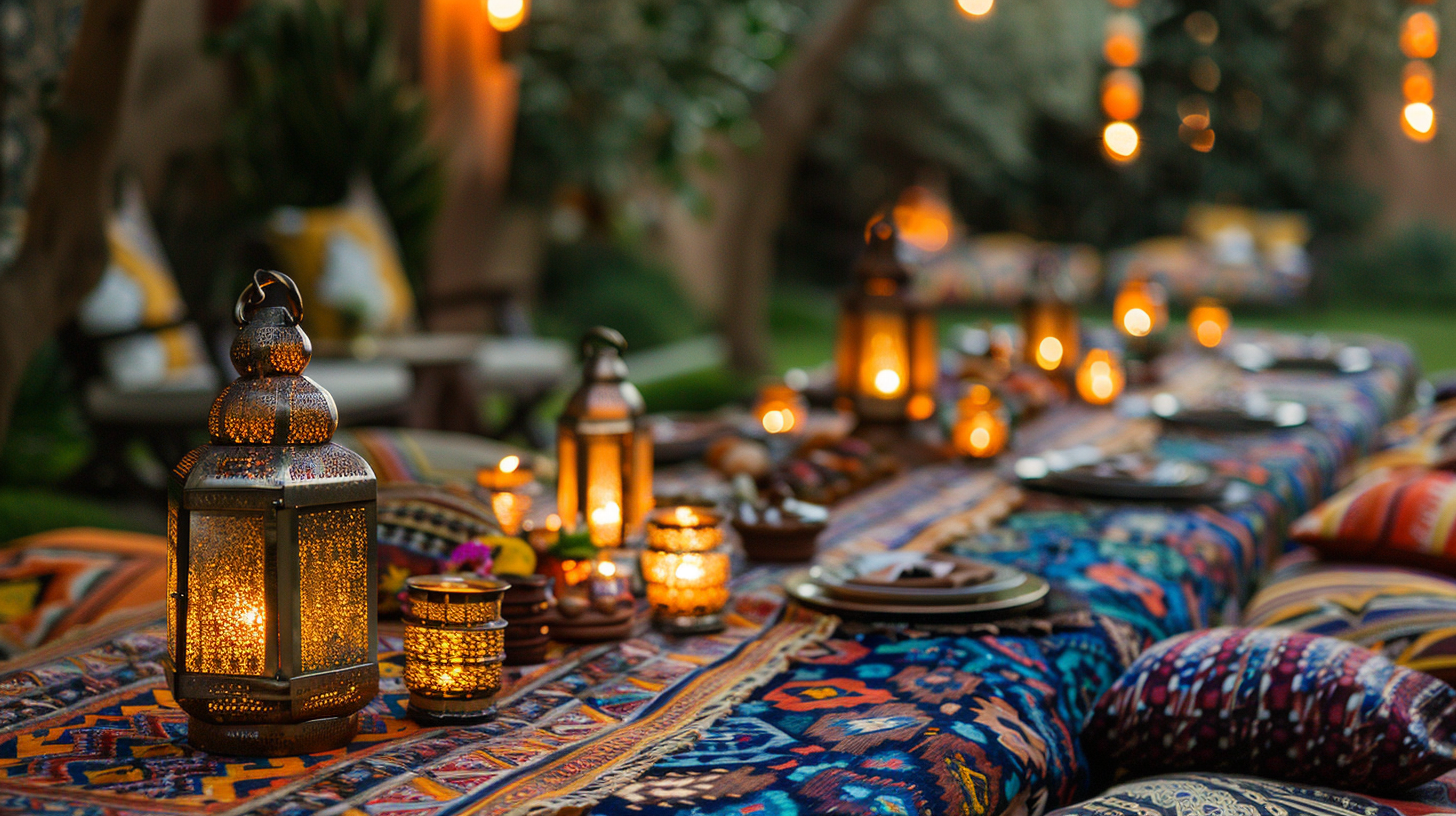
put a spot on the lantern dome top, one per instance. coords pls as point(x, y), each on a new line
point(271, 402)
point(604, 393)
point(879, 260)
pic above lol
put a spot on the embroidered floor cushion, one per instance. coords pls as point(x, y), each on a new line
point(1408, 616)
point(53, 584)
point(1273, 703)
point(1207, 794)
point(1401, 516)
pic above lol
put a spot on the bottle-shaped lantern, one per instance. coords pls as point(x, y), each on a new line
point(1050, 329)
point(886, 354)
point(605, 449)
point(271, 554)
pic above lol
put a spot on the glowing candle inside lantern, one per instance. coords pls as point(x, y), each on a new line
point(1049, 353)
point(506, 15)
point(685, 568)
point(454, 644)
point(886, 359)
point(1208, 321)
point(976, 8)
point(1100, 378)
point(781, 409)
point(981, 429)
point(505, 483)
point(1121, 141)
point(1140, 308)
point(1137, 322)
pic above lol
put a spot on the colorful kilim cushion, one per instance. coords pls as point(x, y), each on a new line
point(1410, 617)
point(54, 583)
point(1401, 516)
point(1209, 794)
point(1275, 703)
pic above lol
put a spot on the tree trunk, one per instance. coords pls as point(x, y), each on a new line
point(64, 250)
point(753, 192)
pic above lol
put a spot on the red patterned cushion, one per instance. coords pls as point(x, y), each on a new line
point(1273, 703)
point(1403, 516)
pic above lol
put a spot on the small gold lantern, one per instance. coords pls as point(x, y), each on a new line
point(604, 447)
point(271, 554)
point(686, 569)
point(1100, 378)
point(454, 645)
point(1208, 322)
point(781, 409)
point(886, 354)
point(1050, 331)
point(506, 485)
point(1140, 309)
point(982, 427)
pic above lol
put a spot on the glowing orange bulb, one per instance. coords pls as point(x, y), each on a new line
point(1140, 308)
point(506, 15)
point(1418, 120)
point(1122, 49)
point(1121, 141)
point(920, 406)
point(1122, 94)
point(1418, 83)
point(1420, 35)
point(976, 8)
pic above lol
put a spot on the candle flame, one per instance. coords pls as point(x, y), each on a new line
point(505, 15)
point(685, 516)
point(980, 438)
point(1049, 353)
point(1209, 333)
point(688, 571)
point(1137, 322)
point(778, 421)
point(887, 381)
point(606, 569)
point(509, 464)
point(609, 513)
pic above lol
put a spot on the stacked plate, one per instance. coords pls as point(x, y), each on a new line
point(914, 587)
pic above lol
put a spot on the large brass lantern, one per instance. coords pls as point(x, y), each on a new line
point(271, 554)
point(886, 350)
point(605, 449)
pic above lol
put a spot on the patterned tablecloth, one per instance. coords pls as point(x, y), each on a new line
point(782, 713)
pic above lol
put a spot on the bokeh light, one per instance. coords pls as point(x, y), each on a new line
point(1121, 140)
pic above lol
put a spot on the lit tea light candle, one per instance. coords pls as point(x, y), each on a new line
point(686, 569)
point(1100, 378)
point(781, 409)
point(1140, 309)
point(1208, 322)
point(981, 429)
point(454, 645)
point(507, 485)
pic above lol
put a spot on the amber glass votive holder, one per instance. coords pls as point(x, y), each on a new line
point(686, 569)
point(454, 646)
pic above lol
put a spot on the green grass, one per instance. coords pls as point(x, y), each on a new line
point(24, 511)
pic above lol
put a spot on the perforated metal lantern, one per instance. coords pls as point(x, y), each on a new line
point(271, 555)
point(886, 349)
point(604, 475)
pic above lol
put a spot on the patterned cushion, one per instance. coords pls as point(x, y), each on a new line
point(1204, 794)
point(137, 312)
point(347, 266)
point(1410, 617)
point(53, 584)
point(1274, 703)
point(420, 526)
point(1404, 516)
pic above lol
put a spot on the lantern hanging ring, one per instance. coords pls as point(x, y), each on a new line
point(602, 336)
point(253, 296)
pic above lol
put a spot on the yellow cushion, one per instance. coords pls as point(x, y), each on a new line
point(346, 266)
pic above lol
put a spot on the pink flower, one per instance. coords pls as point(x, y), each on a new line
point(471, 556)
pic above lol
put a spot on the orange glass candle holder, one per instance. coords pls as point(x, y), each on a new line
point(1100, 377)
point(507, 486)
point(1208, 322)
point(686, 569)
point(1140, 309)
point(982, 426)
point(781, 409)
point(454, 646)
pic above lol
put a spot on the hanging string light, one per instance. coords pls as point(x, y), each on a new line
point(1122, 87)
point(1195, 118)
point(1420, 39)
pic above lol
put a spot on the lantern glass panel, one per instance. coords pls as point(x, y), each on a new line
point(566, 482)
point(926, 357)
point(172, 579)
point(640, 486)
point(227, 618)
point(884, 370)
point(604, 487)
point(846, 352)
point(333, 562)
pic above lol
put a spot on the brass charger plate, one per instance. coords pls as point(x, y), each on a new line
point(1030, 594)
point(836, 582)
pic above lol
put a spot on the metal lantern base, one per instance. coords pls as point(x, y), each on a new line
point(690, 624)
point(272, 739)
point(426, 711)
